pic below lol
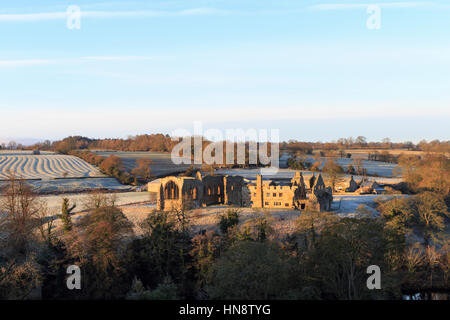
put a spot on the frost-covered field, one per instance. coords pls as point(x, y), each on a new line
point(55, 173)
point(137, 205)
point(289, 174)
point(382, 169)
point(45, 166)
point(346, 205)
point(54, 202)
point(283, 221)
point(76, 185)
point(162, 163)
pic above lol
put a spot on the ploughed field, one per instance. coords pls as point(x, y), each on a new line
point(162, 163)
point(46, 166)
point(50, 173)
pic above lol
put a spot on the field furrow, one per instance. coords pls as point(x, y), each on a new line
point(48, 166)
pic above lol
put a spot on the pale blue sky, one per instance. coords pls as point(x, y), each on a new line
point(309, 68)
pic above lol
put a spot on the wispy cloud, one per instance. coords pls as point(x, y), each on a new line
point(30, 17)
point(39, 62)
point(124, 14)
point(25, 62)
point(346, 6)
point(123, 58)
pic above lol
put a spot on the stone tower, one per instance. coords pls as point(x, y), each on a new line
point(258, 200)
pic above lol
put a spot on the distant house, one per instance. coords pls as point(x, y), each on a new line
point(371, 187)
point(377, 188)
point(36, 152)
point(352, 186)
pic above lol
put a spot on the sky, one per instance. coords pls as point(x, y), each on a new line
point(317, 71)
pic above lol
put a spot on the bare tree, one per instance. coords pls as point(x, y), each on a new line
point(96, 200)
point(12, 145)
point(333, 171)
point(45, 225)
point(17, 280)
point(20, 208)
point(143, 170)
point(361, 141)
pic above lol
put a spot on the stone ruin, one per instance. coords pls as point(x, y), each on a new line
point(194, 192)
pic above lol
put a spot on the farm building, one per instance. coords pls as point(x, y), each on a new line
point(370, 187)
point(352, 185)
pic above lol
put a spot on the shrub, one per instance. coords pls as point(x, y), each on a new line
point(228, 220)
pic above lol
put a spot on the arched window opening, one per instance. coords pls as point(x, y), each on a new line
point(171, 191)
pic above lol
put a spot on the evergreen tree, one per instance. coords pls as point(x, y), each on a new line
point(65, 215)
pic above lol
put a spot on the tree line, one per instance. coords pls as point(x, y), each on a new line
point(164, 143)
point(362, 143)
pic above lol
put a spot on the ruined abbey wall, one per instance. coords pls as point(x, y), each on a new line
point(189, 192)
